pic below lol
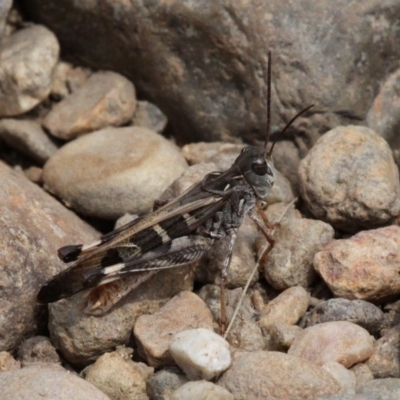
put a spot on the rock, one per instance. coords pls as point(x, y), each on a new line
point(287, 308)
point(383, 116)
point(33, 226)
point(359, 312)
point(34, 174)
point(163, 383)
point(38, 349)
point(349, 179)
point(200, 353)
point(340, 341)
point(8, 362)
point(343, 376)
point(365, 266)
point(290, 262)
point(201, 390)
point(105, 99)
point(27, 61)
point(46, 382)
point(4, 9)
point(282, 336)
point(67, 79)
point(281, 190)
point(28, 138)
point(362, 373)
point(245, 334)
point(381, 389)
point(385, 359)
point(149, 116)
point(196, 153)
point(119, 377)
point(217, 90)
point(274, 376)
point(154, 333)
point(82, 338)
point(345, 396)
point(113, 171)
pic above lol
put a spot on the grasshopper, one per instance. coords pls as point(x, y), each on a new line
point(176, 234)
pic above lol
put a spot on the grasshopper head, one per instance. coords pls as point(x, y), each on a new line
point(256, 168)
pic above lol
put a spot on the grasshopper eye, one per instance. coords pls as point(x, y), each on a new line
point(260, 168)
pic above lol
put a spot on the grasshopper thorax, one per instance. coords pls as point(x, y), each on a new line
point(256, 168)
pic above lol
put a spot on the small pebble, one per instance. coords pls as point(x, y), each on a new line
point(201, 390)
point(201, 353)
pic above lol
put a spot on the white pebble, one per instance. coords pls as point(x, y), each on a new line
point(200, 353)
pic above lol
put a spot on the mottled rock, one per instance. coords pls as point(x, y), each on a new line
point(365, 266)
point(201, 390)
point(349, 179)
point(343, 376)
point(46, 382)
point(8, 362)
point(32, 227)
point(163, 383)
point(38, 349)
point(196, 153)
point(275, 376)
point(359, 312)
point(113, 171)
point(200, 353)
point(282, 336)
point(27, 61)
point(290, 262)
point(105, 99)
point(216, 88)
point(385, 359)
point(154, 333)
point(28, 138)
point(340, 341)
point(381, 389)
point(286, 308)
point(362, 373)
point(148, 115)
point(119, 377)
point(4, 9)
point(82, 338)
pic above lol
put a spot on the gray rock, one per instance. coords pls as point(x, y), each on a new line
point(359, 312)
point(28, 138)
point(201, 390)
point(119, 377)
point(290, 262)
point(163, 383)
point(47, 383)
point(362, 373)
point(38, 349)
point(349, 179)
point(216, 88)
point(33, 226)
point(82, 338)
point(274, 376)
point(368, 263)
point(381, 389)
point(113, 171)
point(149, 116)
point(4, 9)
point(27, 61)
point(105, 99)
point(385, 359)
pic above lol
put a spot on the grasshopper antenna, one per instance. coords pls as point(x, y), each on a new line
point(287, 126)
point(268, 101)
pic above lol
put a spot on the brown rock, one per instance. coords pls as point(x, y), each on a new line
point(149, 116)
point(154, 333)
point(8, 362)
point(32, 227)
point(27, 61)
point(287, 308)
point(105, 99)
point(349, 179)
point(275, 376)
point(385, 359)
point(366, 266)
point(362, 373)
point(28, 138)
point(201, 390)
point(119, 377)
point(343, 376)
point(339, 341)
point(196, 153)
point(4, 9)
point(38, 349)
point(113, 171)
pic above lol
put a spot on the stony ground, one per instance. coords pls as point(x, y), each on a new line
point(84, 150)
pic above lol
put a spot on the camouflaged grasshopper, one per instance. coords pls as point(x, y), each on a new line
point(176, 234)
